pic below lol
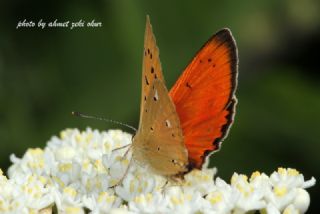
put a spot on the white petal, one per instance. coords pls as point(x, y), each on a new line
point(302, 200)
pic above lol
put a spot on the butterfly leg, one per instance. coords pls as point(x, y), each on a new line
point(122, 158)
point(171, 181)
point(127, 152)
point(125, 173)
point(163, 188)
point(122, 147)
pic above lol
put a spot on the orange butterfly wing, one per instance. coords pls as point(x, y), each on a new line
point(204, 96)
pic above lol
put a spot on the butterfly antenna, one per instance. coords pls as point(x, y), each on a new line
point(79, 114)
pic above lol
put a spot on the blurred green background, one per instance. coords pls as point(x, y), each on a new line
point(46, 74)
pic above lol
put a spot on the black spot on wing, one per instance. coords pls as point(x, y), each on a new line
point(146, 79)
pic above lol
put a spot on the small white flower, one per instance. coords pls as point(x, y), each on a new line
point(286, 185)
point(65, 153)
point(68, 200)
point(103, 203)
point(136, 183)
point(222, 199)
point(32, 162)
point(199, 180)
point(251, 198)
point(149, 203)
point(180, 202)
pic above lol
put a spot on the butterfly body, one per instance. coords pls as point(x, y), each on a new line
point(179, 128)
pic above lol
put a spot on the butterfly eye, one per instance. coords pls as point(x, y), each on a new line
point(174, 161)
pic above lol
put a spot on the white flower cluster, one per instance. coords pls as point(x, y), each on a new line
point(76, 171)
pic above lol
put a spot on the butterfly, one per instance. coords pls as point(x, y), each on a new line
point(180, 128)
